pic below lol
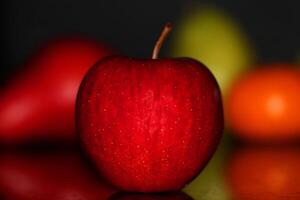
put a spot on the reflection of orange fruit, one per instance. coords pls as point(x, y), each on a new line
point(264, 104)
point(265, 174)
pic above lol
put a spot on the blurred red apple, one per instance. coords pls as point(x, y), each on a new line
point(133, 196)
point(38, 103)
point(49, 176)
point(265, 173)
point(263, 105)
point(150, 125)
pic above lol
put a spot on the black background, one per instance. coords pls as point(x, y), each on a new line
point(132, 26)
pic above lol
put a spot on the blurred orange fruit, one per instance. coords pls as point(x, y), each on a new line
point(264, 105)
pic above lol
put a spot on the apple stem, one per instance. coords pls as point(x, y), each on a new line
point(161, 39)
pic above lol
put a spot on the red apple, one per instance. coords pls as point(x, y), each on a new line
point(38, 103)
point(133, 196)
point(150, 125)
point(49, 176)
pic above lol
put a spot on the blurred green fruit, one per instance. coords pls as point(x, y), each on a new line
point(210, 184)
point(208, 34)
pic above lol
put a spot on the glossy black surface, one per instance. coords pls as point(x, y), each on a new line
point(236, 172)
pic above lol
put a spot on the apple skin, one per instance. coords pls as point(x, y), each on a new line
point(38, 102)
point(59, 175)
point(149, 125)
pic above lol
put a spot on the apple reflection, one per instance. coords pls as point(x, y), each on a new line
point(265, 173)
point(132, 196)
point(49, 176)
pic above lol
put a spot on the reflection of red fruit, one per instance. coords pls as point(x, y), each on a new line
point(176, 196)
point(265, 173)
point(59, 176)
point(264, 104)
point(38, 103)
